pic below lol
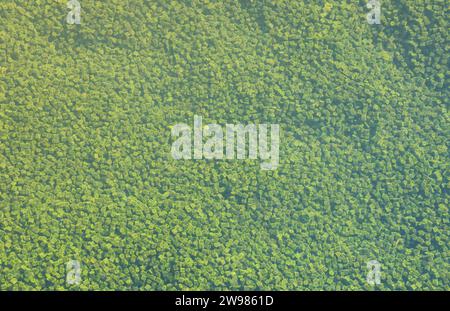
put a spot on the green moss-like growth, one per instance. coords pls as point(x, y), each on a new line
point(85, 166)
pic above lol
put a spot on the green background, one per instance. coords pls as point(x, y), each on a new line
point(86, 172)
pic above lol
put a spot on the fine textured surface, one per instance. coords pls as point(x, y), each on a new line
point(86, 172)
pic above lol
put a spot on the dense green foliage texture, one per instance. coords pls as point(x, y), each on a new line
point(86, 172)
